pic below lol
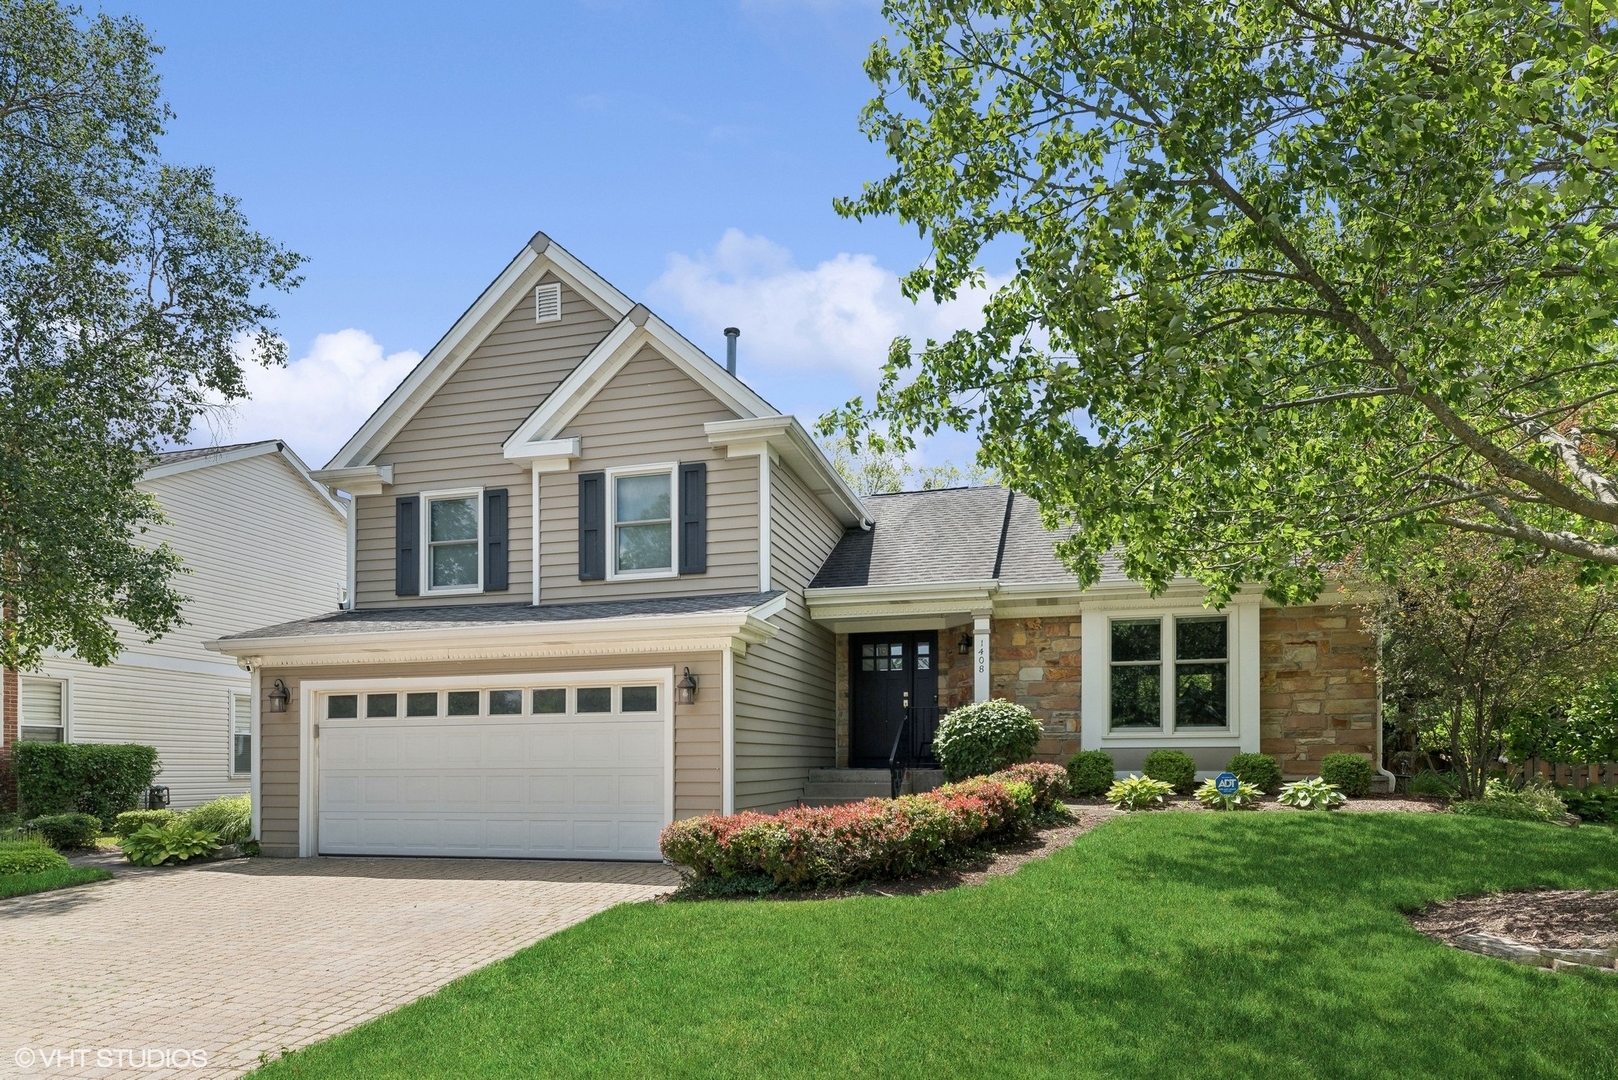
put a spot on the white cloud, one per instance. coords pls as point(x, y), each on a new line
point(315, 402)
point(835, 319)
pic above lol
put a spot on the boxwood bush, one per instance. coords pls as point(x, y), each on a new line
point(1351, 773)
point(29, 857)
point(1260, 770)
point(66, 831)
point(985, 737)
point(1090, 773)
point(1176, 768)
point(230, 817)
point(103, 779)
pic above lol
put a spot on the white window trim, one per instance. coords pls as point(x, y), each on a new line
point(309, 691)
point(672, 469)
point(1167, 665)
point(1242, 660)
point(427, 499)
point(67, 704)
point(230, 741)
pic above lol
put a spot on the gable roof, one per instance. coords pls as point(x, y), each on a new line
point(950, 536)
point(174, 462)
point(541, 257)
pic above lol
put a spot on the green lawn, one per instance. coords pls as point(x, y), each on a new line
point(1170, 944)
point(23, 884)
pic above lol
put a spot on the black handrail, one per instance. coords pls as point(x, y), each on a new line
point(912, 743)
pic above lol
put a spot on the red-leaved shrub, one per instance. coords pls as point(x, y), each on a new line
point(876, 839)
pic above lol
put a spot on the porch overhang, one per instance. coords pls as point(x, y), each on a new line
point(853, 609)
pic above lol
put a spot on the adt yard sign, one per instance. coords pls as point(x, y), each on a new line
point(1226, 783)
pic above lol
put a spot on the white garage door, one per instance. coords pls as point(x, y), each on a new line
point(512, 771)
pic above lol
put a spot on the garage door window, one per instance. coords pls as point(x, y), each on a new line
point(381, 704)
point(595, 699)
point(550, 701)
point(505, 702)
point(463, 702)
point(342, 706)
point(611, 699)
point(421, 704)
point(640, 699)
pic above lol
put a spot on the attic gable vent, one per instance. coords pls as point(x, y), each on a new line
point(548, 303)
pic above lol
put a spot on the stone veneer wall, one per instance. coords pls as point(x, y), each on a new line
point(1035, 662)
point(1317, 686)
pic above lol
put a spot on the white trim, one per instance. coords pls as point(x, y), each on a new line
point(980, 658)
point(308, 725)
point(352, 540)
point(727, 736)
point(427, 499)
point(511, 287)
point(66, 706)
point(766, 525)
point(788, 439)
point(770, 608)
point(551, 455)
point(534, 535)
point(230, 727)
point(360, 480)
point(672, 470)
point(255, 783)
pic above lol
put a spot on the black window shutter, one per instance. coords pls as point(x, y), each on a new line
point(406, 545)
point(694, 517)
point(592, 526)
point(496, 557)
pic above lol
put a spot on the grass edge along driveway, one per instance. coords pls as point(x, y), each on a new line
point(1159, 945)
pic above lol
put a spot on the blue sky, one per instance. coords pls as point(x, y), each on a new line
point(687, 151)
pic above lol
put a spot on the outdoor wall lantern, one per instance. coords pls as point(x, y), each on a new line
point(687, 688)
point(965, 646)
point(279, 696)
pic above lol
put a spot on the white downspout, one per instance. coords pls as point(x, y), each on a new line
point(1393, 781)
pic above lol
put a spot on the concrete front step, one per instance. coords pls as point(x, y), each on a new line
point(832, 787)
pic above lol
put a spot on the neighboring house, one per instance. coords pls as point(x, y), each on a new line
point(600, 584)
point(261, 541)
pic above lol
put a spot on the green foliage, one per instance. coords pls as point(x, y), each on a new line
point(130, 820)
point(1591, 804)
point(1351, 773)
point(103, 779)
point(46, 880)
point(1090, 773)
point(1175, 767)
point(1589, 736)
point(66, 832)
point(1261, 770)
point(1533, 802)
point(1291, 281)
point(230, 817)
point(1428, 782)
point(30, 856)
point(1139, 793)
point(1311, 794)
point(985, 737)
point(154, 845)
point(871, 467)
point(1244, 798)
point(132, 291)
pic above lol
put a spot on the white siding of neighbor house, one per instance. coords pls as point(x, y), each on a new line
point(785, 689)
point(261, 547)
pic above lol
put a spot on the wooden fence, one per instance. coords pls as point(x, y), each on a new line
point(1574, 775)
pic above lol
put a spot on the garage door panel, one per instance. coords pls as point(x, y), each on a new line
point(546, 787)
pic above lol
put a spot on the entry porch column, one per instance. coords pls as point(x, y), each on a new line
point(980, 658)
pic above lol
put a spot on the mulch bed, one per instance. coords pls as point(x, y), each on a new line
point(1550, 918)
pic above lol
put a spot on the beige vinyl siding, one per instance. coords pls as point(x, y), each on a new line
point(697, 758)
point(785, 689)
point(650, 412)
point(261, 546)
point(455, 441)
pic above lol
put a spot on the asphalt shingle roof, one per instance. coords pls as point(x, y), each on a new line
point(465, 616)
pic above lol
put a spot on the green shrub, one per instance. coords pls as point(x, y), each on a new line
point(1428, 782)
point(1139, 793)
point(154, 845)
point(1350, 773)
point(29, 857)
point(1311, 794)
point(1595, 805)
point(230, 817)
point(1245, 797)
point(1536, 802)
point(1176, 768)
point(66, 831)
point(103, 779)
point(1090, 773)
point(985, 737)
point(1260, 770)
point(130, 820)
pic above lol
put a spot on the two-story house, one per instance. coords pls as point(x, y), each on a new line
point(598, 584)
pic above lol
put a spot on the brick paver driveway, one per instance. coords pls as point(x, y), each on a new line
point(248, 956)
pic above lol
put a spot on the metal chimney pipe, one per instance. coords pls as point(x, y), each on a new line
point(731, 334)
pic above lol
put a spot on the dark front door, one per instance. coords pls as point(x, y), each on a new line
point(887, 673)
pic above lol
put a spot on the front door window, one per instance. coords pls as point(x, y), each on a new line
point(891, 673)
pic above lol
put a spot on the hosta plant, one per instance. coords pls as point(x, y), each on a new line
point(153, 845)
point(1139, 793)
point(1312, 794)
point(1245, 797)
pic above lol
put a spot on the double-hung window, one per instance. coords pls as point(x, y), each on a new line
point(43, 710)
point(453, 527)
point(241, 734)
point(1170, 674)
point(641, 505)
